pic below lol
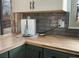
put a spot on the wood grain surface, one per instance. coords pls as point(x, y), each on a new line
point(53, 42)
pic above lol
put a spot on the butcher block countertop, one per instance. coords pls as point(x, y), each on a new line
point(53, 42)
point(9, 41)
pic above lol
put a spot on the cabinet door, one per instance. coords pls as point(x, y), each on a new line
point(56, 54)
point(33, 51)
point(20, 5)
point(4, 55)
point(46, 5)
point(18, 52)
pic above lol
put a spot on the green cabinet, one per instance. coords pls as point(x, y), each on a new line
point(57, 54)
point(33, 51)
point(4, 55)
point(38, 52)
point(18, 52)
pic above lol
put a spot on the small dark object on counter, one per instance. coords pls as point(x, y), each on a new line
point(26, 36)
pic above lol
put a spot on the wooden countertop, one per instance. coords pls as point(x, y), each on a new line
point(9, 41)
point(53, 42)
point(59, 43)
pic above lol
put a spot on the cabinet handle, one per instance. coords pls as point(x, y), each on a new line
point(33, 6)
point(30, 5)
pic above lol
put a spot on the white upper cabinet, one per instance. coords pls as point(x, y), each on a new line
point(20, 5)
point(46, 5)
point(36, 5)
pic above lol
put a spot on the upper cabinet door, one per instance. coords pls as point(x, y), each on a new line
point(47, 5)
point(20, 5)
point(36, 5)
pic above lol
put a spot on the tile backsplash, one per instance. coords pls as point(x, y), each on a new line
point(48, 23)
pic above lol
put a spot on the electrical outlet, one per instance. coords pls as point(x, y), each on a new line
point(61, 23)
